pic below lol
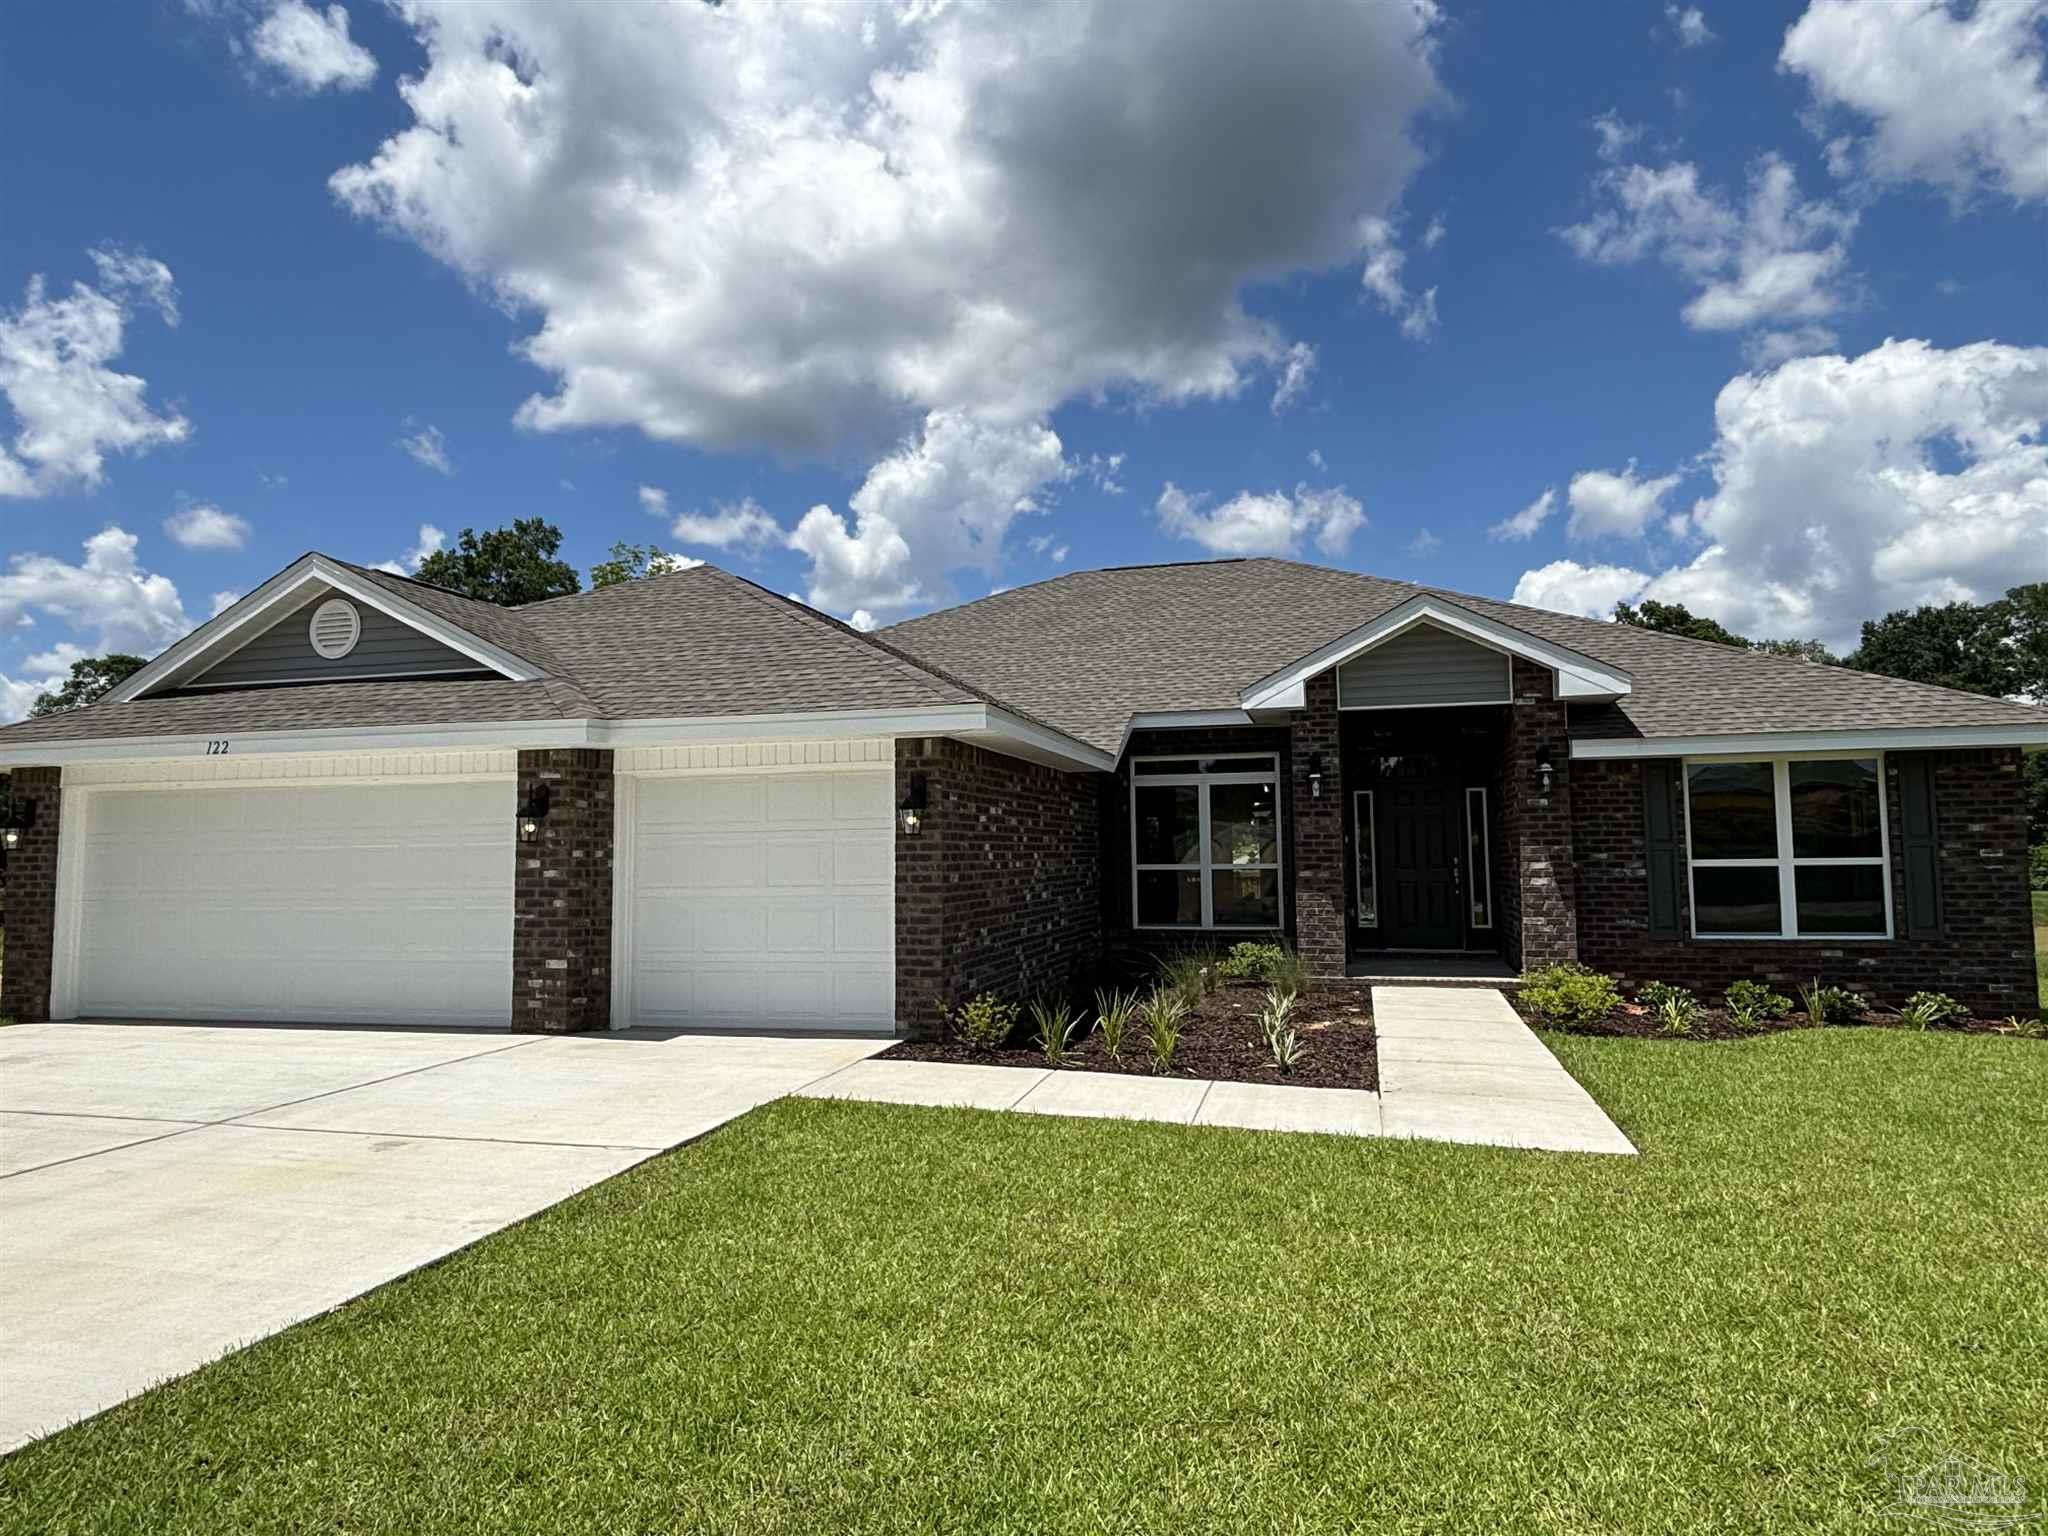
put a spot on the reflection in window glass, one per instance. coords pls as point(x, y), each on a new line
point(1169, 823)
point(1170, 898)
point(1835, 810)
point(1734, 811)
point(1365, 840)
point(1479, 865)
point(1840, 898)
point(1205, 851)
point(1738, 899)
point(1247, 898)
point(1242, 824)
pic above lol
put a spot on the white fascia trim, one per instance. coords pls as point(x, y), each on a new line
point(212, 639)
point(1000, 729)
point(2033, 738)
point(1180, 720)
point(1578, 676)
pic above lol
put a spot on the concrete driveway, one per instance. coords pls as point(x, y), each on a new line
point(170, 1192)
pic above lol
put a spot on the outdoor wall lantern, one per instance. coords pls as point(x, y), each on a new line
point(534, 812)
point(910, 810)
point(21, 815)
point(1545, 769)
point(1315, 775)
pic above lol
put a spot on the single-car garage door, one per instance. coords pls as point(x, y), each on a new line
point(335, 903)
point(760, 900)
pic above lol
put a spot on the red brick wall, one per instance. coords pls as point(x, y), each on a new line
point(32, 899)
point(1538, 904)
point(1985, 957)
point(1002, 889)
point(1321, 912)
point(562, 896)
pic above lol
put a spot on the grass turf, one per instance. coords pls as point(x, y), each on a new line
point(2041, 945)
point(837, 1317)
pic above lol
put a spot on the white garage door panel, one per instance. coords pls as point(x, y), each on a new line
point(764, 900)
point(371, 903)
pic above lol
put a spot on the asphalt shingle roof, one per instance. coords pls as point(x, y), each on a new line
point(1085, 651)
point(1080, 653)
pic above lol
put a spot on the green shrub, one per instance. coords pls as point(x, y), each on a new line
point(1753, 1005)
point(1570, 995)
point(1675, 1007)
point(1113, 1014)
point(1289, 971)
point(1829, 1005)
point(1055, 1021)
point(1250, 962)
point(1164, 1010)
point(1191, 974)
point(2037, 866)
point(1931, 1010)
point(985, 1021)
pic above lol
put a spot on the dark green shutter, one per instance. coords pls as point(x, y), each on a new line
point(1663, 846)
point(1922, 847)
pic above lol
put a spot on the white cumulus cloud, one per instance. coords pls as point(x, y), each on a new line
point(1617, 503)
point(311, 48)
point(1591, 591)
point(1298, 368)
point(1847, 487)
point(71, 408)
point(1262, 523)
point(431, 541)
point(1689, 23)
point(1952, 95)
point(1771, 258)
point(808, 229)
point(425, 446)
point(205, 526)
point(1525, 523)
point(743, 523)
point(1379, 239)
point(107, 596)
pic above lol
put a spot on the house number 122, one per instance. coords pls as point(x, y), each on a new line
point(216, 748)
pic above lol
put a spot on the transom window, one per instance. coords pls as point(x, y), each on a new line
point(1788, 848)
point(1205, 841)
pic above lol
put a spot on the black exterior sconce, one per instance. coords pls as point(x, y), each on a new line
point(534, 811)
point(1545, 769)
point(1315, 775)
point(21, 815)
point(910, 810)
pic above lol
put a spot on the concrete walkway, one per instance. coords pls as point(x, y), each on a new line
point(1456, 1064)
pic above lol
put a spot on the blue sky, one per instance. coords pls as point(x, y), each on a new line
point(1007, 292)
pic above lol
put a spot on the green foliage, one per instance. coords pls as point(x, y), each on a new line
point(1249, 961)
point(2035, 1028)
point(1164, 1012)
point(1975, 647)
point(509, 566)
point(1290, 971)
point(1191, 974)
point(1676, 1008)
point(2037, 856)
point(1753, 1005)
point(1054, 1020)
point(1931, 1010)
point(1570, 995)
point(1829, 1005)
point(1113, 1014)
point(1676, 619)
point(1283, 1041)
point(1798, 650)
point(985, 1021)
point(89, 678)
point(630, 562)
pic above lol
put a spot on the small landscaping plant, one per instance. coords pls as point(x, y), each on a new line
point(1164, 1011)
point(1829, 1005)
point(1570, 995)
point(1282, 1041)
point(1752, 1005)
point(1289, 970)
point(2035, 1028)
point(1055, 1020)
point(1931, 1010)
point(1676, 1008)
point(985, 1021)
point(1250, 962)
point(1113, 1014)
point(1273, 1012)
point(1191, 975)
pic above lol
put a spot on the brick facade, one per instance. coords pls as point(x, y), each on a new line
point(32, 899)
point(1984, 957)
point(1539, 912)
point(1001, 890)
point(562, 896)
point(1321, 912)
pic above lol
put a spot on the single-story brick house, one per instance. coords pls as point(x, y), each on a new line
point(688, 801)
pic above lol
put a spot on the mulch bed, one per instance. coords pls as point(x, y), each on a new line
point(1220, 1039)
point(1634, 1021)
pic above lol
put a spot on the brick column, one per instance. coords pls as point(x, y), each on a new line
point(562, 896)
point(1317, 855)
point(1543, 910)
point(923, 983)
point(32, 899)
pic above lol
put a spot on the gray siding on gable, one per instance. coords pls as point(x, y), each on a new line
point(1423, 665)
point(284, 653)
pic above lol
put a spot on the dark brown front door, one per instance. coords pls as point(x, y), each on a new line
point(1419, 884)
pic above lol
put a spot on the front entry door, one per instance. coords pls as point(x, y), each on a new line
point(1420, 885)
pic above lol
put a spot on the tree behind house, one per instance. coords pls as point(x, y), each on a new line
point(630, 562)
point(514, 565)
point(89, 679)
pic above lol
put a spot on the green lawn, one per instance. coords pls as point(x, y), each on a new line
point(831, 1318)
point(2041, 944)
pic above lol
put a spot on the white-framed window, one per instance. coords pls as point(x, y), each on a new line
point(1365, 842)
point(1205, 841)
point(1788, 847)
point(1479, 858)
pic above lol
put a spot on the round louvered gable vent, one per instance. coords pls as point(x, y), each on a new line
point(335, 629)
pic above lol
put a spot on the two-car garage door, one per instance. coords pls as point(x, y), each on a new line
point(381, 902)
point(750, 900)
